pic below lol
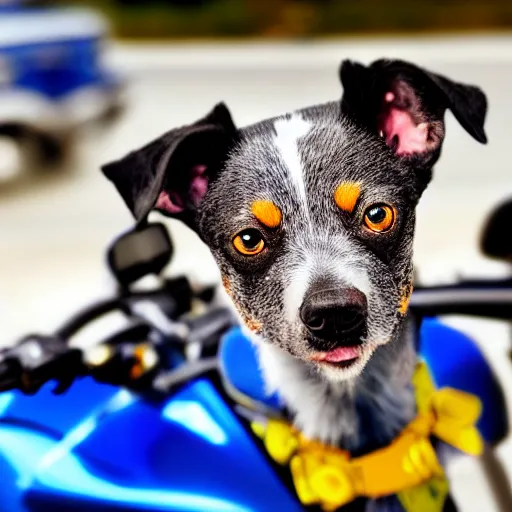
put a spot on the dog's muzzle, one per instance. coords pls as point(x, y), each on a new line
point(335, 317)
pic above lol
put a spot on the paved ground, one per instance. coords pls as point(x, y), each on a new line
point(53, 228)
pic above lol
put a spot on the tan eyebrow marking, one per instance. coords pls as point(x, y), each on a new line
point(346, 195)
point(267, 213)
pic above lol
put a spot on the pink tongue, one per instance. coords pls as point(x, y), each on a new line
point(340, 354)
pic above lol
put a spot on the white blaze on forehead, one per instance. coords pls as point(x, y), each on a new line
point(288, 131)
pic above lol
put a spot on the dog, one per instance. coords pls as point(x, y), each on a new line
point(310, 217)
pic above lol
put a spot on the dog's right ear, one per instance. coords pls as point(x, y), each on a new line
point(406, 104)
point(171, 173)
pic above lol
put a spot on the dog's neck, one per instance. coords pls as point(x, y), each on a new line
point(360, 415)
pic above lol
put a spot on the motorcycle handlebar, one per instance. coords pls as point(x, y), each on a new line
point(484, 299)
point(55, 360)
point(131, 357)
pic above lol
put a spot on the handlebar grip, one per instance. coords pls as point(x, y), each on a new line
point(37, 359)
point(10, 374)
point(495, 303)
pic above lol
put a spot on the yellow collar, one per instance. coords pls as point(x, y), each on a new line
point(408, 467)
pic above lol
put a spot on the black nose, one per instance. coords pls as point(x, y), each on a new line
point(335, 315)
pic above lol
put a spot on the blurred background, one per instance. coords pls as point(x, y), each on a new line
point(83, 82)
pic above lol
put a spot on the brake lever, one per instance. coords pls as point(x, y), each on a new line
point(174, 298)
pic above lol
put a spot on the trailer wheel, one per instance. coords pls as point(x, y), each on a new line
point(48, 151)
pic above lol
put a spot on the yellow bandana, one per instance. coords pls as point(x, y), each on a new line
point(408, 467)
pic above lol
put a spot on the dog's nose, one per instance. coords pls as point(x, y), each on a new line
point(335, 314)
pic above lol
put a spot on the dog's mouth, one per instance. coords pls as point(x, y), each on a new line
point(340, 357)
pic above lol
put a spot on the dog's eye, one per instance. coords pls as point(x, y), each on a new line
point(379, 218)
point(249, 242)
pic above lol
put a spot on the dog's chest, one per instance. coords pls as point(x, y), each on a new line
point(358, 417)
point(380, 412)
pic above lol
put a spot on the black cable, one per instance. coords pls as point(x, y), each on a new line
point(76, 322)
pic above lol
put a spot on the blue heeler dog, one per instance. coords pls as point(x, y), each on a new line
point(310, 217)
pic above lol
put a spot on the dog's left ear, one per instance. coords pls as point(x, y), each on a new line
point(171, 174)
point(405, 105)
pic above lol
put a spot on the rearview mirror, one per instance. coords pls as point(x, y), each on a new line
point(496, 241)
point(142, 251)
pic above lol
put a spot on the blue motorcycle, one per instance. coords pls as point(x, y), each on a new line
point(157, 415)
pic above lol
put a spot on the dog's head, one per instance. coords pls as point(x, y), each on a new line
point(310, 216)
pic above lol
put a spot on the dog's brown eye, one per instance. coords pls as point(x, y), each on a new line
point(379, 218)
point(249, 242)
